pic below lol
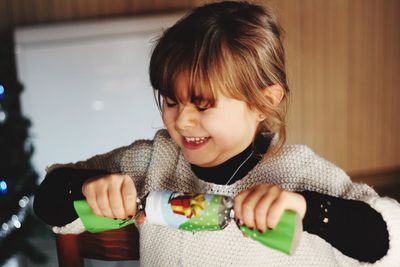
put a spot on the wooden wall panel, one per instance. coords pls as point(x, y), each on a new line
point(342, 58)
point(317, 57)
point(343, 65)
point(373, 87)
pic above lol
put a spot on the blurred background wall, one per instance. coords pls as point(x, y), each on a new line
point(343, 64)
point(343, 59)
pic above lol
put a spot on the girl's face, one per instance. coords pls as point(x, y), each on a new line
point(209, 136)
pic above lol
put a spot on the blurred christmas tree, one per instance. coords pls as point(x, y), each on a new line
point(18, 180)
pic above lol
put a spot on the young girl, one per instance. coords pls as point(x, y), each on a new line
point(220, 81)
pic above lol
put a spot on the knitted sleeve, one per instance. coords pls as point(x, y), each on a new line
point(313, 173)
point(141, 161)
point(62, 185)
point(386, 207)
point(133, 160)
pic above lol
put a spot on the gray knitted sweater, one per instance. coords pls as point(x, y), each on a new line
point(159, 165)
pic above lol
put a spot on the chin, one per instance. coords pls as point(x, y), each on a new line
point(196, 161)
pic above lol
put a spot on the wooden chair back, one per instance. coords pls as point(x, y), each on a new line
point(113, 245)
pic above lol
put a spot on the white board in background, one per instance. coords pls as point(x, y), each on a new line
point(87, 88)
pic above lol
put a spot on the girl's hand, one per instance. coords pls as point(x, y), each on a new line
point(112, 196)
point(262, 206)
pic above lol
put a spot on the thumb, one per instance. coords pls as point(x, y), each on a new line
point(129, 194)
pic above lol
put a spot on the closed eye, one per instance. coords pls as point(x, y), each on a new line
point(202, 105)
point(202, 108)
point(169, 102)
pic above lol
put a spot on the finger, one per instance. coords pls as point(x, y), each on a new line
point(286, 201)
point(104, 203)
point(92, 202)
point(128, 191)
point(298, 204)
point(275, 212)
point(90, 195)
point(115, 200)
point(237, 203)
point(249, 205)
point(263, 206)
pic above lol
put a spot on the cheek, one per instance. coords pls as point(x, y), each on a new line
point(221, 127)
point(168, 116)
point(232, 127)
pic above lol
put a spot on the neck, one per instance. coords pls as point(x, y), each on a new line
point(236, 167)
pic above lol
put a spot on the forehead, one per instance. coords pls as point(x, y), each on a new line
point(181, 87)
point(187, 88)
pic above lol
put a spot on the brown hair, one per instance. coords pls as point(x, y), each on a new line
point(232, 47)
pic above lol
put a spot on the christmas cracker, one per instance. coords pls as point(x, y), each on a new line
point(196, 212)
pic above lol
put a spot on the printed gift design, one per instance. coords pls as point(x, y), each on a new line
point(186, 204)
point(188, 211)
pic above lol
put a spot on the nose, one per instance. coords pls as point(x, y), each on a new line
point(186, 118)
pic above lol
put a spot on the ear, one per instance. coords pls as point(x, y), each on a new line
point(274, 94)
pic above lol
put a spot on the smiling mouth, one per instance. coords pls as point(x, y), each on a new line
point(196, 140)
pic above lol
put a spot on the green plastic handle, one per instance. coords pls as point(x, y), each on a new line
point(284, 237)
point(94, 223)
